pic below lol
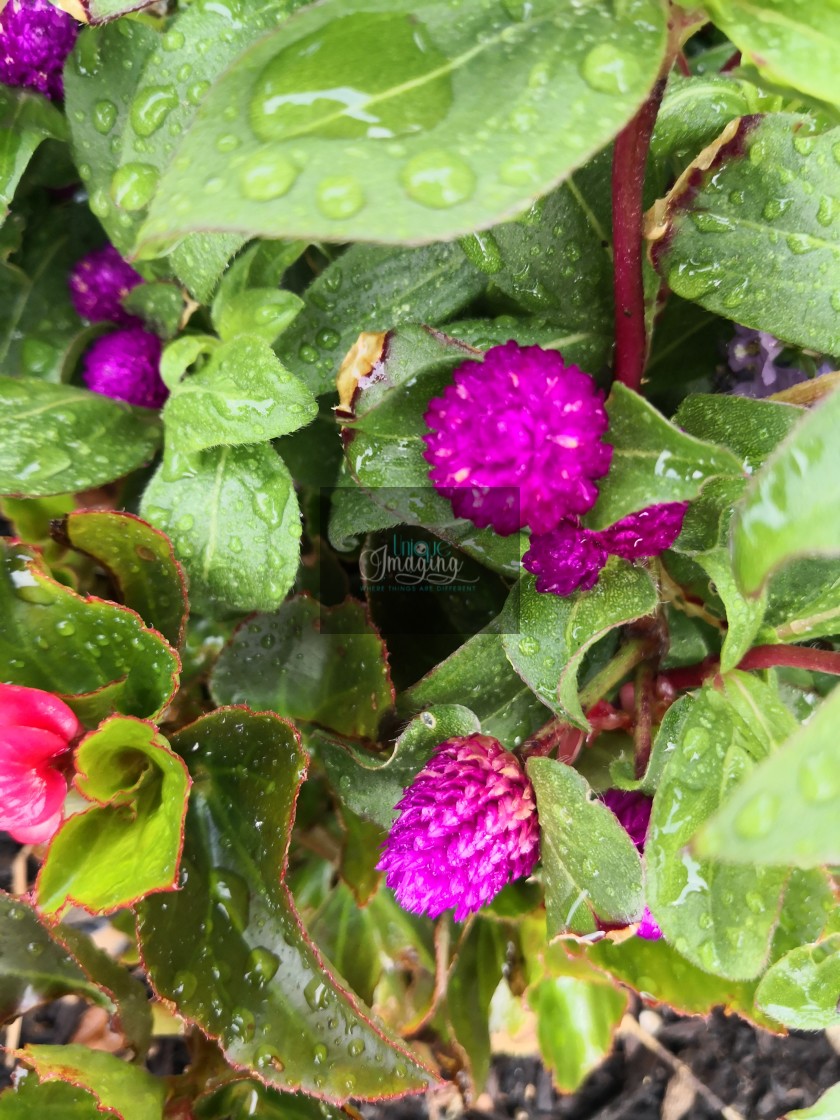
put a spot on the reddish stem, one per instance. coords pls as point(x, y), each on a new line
point(731, 62)
point(762, 657)
point(682, 65)
point(628, 180)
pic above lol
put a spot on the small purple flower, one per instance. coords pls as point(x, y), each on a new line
point(516, 440)
point(35, 39)
point(570, 558)
point(125, 366)
point(98, 284)
point(633, 811)
point(467, 825)
point(754, 354)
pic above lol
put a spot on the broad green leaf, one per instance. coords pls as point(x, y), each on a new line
point(51, 1100)
point(241, 395)
point(346, 933)
point(31, 518)
point(26, 119)
point(374, 288)
point(750, 429)
point(794, 45)
point(200, 260)
point(372, 788)
point(479, 674)
point(140, 560)
point(247, 1097)
point(473, 978)
point(584, 348)
point(414, 153)
point(591, 870)
point(228, 949)
point(128, 1090)
point(803, 601)
point(789, 510)
point(97, 656)
point(801, 989)
point(826, 1108)
point(360, 848)
point(55, 439)
point(234, 522)
point(553, 634)
point(101, 10)
point(576, 1022)
point(653, 461)
point(33, 967)
point(323, 665)
point(726, 730)
point(265, 312)
point(785, 811)
point(128, 842)
point(159, 305)
point(755, 236)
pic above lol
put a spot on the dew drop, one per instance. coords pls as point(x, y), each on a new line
point(185, 985)
point(819, 777)
point(104, 116)
point(609, 70)
point(133, 185)
point(267, 175)
point(520, 171)
point(339, 196)
point(262, 966)
point(151, 107)
point(758, 816)
point(438, 179)
point(173, 40)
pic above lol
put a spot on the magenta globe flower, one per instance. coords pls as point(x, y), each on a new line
point(633, 811)
point(125, 366)
point(35, 40)
point(516, 440)
point(467, 826)
point(98, 284)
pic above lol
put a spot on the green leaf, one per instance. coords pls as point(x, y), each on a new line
point(141, 561)
point(803, 601)
point(826, 1108)
point(789, 510)
point(794, 45)
point(750, 429)
point(97, 656)
point(414, 154)
point(801, 989)
point(234, 521)
point(101, 10)
point(159, 305)
point(548, 636)
point(50, 1100)
point(128, 1090)
point(372, 788)
point(241, 395)
point(584, 348)
point(33, 967)
point(591, 869)
point(347, 935)
point(785, 812)
point(653, 461)
point(360, 848)
point(26, 119)
point(473, 978)
point(576, 1022)
point(129, 842)
point(247, 1097)
point(200, 260)
point(323, 665)
point(751, 232)
point(264, 312)
point(55, 439)
point(726, 730)
point(374, 288)
point(229, 950)
point(479, 673)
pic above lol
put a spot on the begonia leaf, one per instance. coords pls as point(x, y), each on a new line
point(800, 990)
point(129, 1091)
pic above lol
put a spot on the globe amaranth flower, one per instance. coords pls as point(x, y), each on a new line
point(570, 557)
point(467, 825)
point(633, 811)
point(516, 440)
point(35, 39)
point(36, 729)
point(125, 366)
point(98, 284)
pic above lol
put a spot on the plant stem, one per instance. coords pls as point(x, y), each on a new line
point(628, 180)
point(614, 672)
point(761, 657)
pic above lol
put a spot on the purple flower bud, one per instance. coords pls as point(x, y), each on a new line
point(648, 927)
point(35, 39)
point(570, 558)
point(125, 366)
point(520, 424)
point(754, 354)
point(98, 284)
point(633, 811)
point(467, 825)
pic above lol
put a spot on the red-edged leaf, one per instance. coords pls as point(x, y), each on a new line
point(126, 1090)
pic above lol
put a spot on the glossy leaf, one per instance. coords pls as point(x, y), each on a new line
point(473, 978)
point(160, 306)
point(750, 429)
point(246, 1097)
point(653, 461)
point(101, 10)
point(372, 788)
point(752, 233)
point(801, 989)
point(26, 119)
point(128, 1090)
point(360, 850)
point(591, 869)
point(346, 933)
point(98, 656)
point(50, 1100)
point(784, 813)
point(234, 523)
point(553, 634)
point(323, 665)
point(128, 842)
point(453, 90)
point(55, 439)
point(725, 732)
point(576, 1023)
point(788, 509)
point(264, 312)
point(247, 972)
point(803, 601)
point(141, 561)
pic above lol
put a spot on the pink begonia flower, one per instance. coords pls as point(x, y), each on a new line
point(98, 284)
point(467, 826)
point(570, 558)
point(516, 440)
point(36, 729)
point(633, 811)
